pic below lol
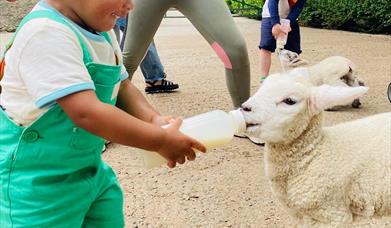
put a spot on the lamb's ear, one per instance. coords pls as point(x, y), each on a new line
point(325, 96)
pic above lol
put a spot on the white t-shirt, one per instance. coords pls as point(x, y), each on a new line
point(283, 9)
point(45, 63)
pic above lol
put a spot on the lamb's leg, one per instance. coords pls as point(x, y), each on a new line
point(331, 214)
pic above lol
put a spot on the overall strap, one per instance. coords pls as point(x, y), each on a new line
point(107, 37)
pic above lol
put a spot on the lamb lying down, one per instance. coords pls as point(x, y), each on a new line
point(325, 176)
point(335, 70)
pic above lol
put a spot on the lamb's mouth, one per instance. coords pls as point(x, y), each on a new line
point(252, 126)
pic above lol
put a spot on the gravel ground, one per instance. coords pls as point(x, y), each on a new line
point(12, 13)
point(226, 187)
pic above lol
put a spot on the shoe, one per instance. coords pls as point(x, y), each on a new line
point(165, 86)
point(104, 148)
point(254, 140)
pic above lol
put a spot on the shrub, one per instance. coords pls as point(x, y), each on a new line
point(369, 16)
point(253, 13)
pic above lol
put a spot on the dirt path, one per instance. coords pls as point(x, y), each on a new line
point(227, 187)
point(12, 13)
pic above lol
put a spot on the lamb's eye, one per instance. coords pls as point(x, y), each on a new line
point(289, 101)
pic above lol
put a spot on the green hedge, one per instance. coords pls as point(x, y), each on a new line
point(369, 16)
point(247, 13)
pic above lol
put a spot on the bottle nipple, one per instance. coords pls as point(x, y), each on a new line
point(239, 121)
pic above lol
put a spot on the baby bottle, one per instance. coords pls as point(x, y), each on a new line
point(212, 129)
point(282, 38)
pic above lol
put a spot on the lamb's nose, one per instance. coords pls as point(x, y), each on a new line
point(245, 108)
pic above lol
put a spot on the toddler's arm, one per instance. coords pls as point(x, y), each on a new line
point(113, 124)
point(133, 102)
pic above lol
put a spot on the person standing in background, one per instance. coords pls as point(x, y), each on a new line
point(273, 11)
point(212, 19)
point(151, 66)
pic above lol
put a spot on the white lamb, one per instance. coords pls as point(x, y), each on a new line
point(325, 176)
point(335, 71)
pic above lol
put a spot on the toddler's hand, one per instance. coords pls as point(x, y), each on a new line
point(177, 147)
point(161, 120)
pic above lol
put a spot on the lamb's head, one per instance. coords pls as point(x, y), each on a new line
point(284, 105)
point(290, 59)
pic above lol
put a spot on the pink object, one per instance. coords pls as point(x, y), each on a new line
point(222, 55)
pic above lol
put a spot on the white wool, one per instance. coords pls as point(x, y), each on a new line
point(325, 176)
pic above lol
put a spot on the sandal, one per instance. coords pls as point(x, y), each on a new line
point(105, 145)
point(165, 86)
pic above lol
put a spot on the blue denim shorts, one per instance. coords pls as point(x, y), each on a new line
point(269, 43)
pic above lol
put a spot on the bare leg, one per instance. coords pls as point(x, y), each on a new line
point(143, 22)
point(266, 59)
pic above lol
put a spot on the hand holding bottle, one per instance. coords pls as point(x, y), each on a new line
point(161, 120)
point(281, 29)
point(176, 146)
point(280, 32)
point(277, 30)
point(285, 25)
point(212, 129)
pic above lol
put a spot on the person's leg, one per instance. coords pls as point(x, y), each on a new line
point(293, 47)
point(293, 41)
point(151, 67)
point(153, 72)
point(124, 30)
point(143, 21)
point(266, 61)
point(117, 33)
point(267, 46)
point(213, 20)
point(118, 28)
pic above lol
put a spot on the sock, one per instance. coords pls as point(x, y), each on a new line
point(262, 78)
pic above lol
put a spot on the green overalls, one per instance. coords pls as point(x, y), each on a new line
point(51, 172)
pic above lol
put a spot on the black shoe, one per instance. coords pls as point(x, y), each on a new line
point(104, 148)
point(165, 86)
